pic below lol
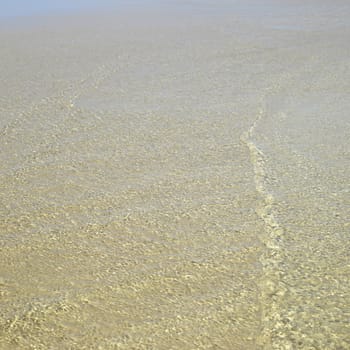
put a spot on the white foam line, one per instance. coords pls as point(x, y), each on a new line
point(272, 288)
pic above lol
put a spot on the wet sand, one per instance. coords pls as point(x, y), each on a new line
point(176, 177)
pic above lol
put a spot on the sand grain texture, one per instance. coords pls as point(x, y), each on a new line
point(176, 177)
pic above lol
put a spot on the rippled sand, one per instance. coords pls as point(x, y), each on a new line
point(177, 178)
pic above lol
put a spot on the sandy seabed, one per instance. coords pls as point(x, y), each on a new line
point(176, 177)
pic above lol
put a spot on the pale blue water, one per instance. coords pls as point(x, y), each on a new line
point(14, 8)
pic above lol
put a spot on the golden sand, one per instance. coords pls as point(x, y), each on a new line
point(176, 178)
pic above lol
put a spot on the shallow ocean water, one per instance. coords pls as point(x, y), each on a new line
point(176, 177)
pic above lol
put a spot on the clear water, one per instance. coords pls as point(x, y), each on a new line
point(176, 178)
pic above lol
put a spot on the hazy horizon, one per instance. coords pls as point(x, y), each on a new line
point(18, 8)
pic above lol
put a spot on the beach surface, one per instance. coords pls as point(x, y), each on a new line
point(175, 175)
